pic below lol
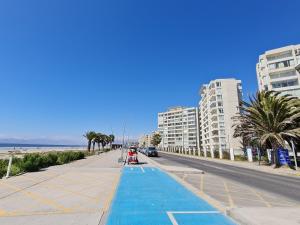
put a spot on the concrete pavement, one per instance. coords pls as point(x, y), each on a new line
point(245, 202)
point(76, 193)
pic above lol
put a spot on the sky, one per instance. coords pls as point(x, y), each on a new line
point(67, 67)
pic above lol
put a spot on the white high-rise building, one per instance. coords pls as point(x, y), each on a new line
point(279, 70)
point(218, 104)
point(179, 128)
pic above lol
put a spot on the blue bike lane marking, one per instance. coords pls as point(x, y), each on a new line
point(149, 196)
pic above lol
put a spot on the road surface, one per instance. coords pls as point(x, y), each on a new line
point(289, 187)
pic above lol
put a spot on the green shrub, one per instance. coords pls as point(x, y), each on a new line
point(216, 153)
point(202, 153)
point(32, 162)
point(35, 161)
point(240, 158)
point(66, 157)
point(3, 167)
point(16, 169)
point(226, 155)
point(50, 159)
point(208, 154)
point(63, 157)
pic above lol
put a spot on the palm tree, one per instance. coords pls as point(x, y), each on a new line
point(111, 139)
point(270, 120)
point(105, 140)
point(97, 139)
point(89, 135)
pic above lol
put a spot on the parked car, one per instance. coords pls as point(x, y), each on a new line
point(151, 151)
point(143, 150)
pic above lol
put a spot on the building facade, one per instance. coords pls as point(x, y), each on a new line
point(179, 128)
point(145, 140)
point(278, 70)
point(219, 103)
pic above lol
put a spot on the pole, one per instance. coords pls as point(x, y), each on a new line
point(9, 166)
point(122, 152)
point(295, 156)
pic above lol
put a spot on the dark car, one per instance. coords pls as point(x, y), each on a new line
point(151, 151)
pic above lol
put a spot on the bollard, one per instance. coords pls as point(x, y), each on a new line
point(221, 154)
point(9, 166)
point(212, 154)
point(249, 154)
point(231, 154)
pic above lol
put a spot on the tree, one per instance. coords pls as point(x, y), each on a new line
point(156, 139)
point(89, 135)
point(104, 140)
point(111, 139)
point(98, 139)
point(270, 120)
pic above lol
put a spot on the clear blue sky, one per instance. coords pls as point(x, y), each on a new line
point(71, 66)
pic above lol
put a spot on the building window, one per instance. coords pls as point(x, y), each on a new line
point(218, 84)
point(285, 83)
point(283, 74)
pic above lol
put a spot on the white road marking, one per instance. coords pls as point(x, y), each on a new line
point(173, 220)
point(142, 169)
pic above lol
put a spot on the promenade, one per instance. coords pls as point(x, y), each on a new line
point(98, 190)
point(76, 193)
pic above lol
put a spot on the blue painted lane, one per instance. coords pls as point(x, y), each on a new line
point(148, 196)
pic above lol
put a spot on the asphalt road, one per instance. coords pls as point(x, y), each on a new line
point(288, 187)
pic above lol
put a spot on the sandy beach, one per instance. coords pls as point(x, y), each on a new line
point(20, 151)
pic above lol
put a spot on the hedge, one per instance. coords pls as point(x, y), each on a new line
point(35, 161)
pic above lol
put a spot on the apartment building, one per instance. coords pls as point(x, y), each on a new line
point(218, 104)
point(145, 140)
point(178, 127)
point(279, 70)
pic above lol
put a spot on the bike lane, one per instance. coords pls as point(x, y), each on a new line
point(149, 196)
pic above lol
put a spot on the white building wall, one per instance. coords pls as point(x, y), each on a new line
point(179, 127)
point(277, 70)
point(219, 103)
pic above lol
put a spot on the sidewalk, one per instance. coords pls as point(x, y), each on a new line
point(245, 164)
point(246, 205)
point(76, 193)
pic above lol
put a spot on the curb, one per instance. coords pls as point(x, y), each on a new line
point(222, 161)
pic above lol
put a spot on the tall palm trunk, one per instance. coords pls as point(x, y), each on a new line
point(275, 148)
point(89, 145)
point(94, 146)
